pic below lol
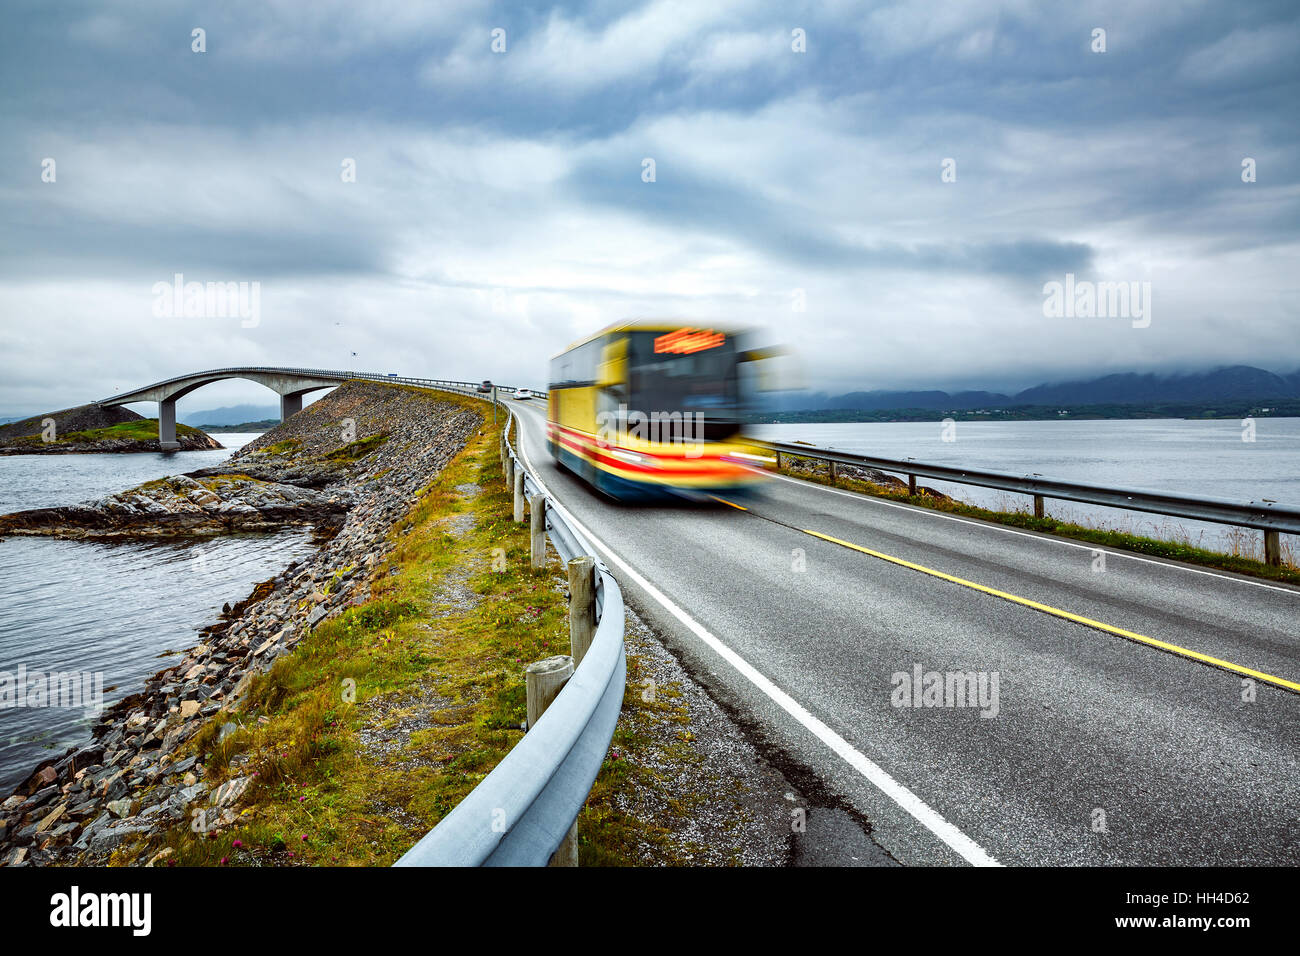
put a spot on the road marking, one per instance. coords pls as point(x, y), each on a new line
point(732, 503)
point(1046, 539)
point(1067, 615)
point(919, 810)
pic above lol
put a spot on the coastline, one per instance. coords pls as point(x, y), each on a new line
point(79, 806)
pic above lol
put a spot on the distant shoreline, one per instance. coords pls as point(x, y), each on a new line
point(1289, 408)
point(246, 428)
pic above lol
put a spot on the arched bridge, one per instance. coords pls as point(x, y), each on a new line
point(291, 384)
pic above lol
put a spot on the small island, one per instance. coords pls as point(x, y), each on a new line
point(89, 429)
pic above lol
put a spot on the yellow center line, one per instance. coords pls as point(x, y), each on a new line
point(1077, 618)
point(732, 503)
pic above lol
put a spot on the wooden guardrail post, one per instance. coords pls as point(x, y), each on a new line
point(778, 461)
point(911, 486)
point(1038, 506)
point(1272, 548)
point(834, 472)
point(537, 527)
point(582, 606)
point(543, 682)
point(519, 495)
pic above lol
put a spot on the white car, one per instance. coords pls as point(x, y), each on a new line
point(522, 395)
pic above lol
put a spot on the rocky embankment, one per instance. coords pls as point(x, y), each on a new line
point(186, 505)
point(372, 447)
point(89, 429)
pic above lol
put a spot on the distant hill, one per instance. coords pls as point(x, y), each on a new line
point(77, 419)
point(1237, 382)
point(231, 415)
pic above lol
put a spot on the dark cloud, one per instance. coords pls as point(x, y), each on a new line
point(516, 177)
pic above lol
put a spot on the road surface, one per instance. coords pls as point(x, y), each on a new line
point(1098, 749)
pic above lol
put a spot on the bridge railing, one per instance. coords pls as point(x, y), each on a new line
point(1265, 515)
point(335, 374)
point(520, 813)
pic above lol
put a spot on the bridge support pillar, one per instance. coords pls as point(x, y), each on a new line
point(290, 405)
point(167, 425)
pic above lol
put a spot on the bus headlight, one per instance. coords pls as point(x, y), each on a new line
point(629, 456)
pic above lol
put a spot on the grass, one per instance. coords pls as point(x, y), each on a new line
point(143, 429)
point(358, 449)
point(1118, 539)
point(356, 777)
point(282, 447)
point(213, 483)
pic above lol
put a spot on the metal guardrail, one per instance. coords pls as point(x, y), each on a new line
point(519, 814)
point(1265, 515)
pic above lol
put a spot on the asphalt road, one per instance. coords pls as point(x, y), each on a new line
point(1101, 749)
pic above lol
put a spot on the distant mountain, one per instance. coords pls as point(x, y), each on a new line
point(231, 415)
point(1235, 382)
point(1240, 382)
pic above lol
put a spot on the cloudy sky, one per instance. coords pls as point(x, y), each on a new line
point(500, 207)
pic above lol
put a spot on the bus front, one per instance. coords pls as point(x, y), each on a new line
point(669, 414)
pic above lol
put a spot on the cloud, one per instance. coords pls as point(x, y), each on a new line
point(499, 209)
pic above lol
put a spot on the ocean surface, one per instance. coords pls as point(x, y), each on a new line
point(108, 610)
point(1189, 457)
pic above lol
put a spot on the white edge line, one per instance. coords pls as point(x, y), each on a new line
point(929, 818)
point(1047, 539)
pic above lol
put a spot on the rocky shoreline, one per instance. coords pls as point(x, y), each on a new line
point(352, 464)
point(811, 467)
point(188, 441)
point(185, 505)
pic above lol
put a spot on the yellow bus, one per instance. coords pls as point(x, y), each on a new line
point(647, 410)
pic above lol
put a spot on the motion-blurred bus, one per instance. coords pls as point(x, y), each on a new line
point(646, 410)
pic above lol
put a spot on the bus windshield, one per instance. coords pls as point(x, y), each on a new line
point(700, 377)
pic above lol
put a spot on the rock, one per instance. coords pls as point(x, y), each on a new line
point(108, 837)
point(230, 791)
point(116, 788)
point(189, 708)
point(119, 808)
point(52, 818)
point(189, 794)
point(183, 765)
point(65, 833)
point(38, 799)
point(161, 855)
point(43, 777)
point(228, 728)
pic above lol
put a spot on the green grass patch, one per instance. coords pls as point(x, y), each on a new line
point(144, 429)
point(355, 451)
point(282, 447)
